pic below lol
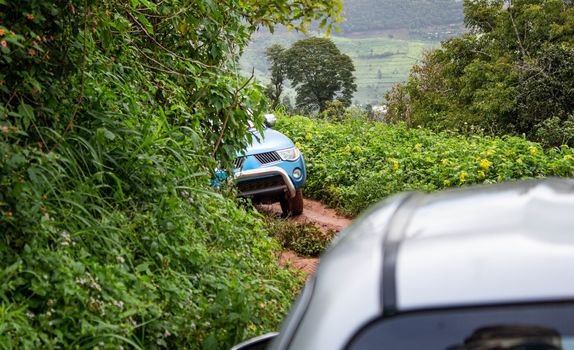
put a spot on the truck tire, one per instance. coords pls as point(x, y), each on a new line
point(292, 206)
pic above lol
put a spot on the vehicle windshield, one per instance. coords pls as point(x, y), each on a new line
point(541, 327)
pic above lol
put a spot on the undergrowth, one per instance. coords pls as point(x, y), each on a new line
point(304, 239)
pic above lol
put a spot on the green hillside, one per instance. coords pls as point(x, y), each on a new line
point(381, 62)
point(376, 15)
point(380, 35)
point(392, 57)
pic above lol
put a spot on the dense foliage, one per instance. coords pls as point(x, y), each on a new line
point(376, 15)
point(355, 163)
point(512, 73)
point(112, 116)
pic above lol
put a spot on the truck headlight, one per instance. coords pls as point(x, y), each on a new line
point(290, 154)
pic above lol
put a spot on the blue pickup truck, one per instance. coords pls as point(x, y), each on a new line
point(272, 169)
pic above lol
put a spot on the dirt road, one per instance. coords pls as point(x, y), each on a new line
point(327, 220)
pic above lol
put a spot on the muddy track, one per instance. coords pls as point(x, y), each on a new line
point(314, 212)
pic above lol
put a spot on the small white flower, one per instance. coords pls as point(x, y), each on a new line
point(119, 304)
point(95, 285)
point(120, 259)
point(30, 315)
point(65, 238)
point(166, 333)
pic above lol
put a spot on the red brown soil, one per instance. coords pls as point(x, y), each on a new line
point(314, 212)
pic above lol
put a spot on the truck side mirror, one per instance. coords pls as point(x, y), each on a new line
point(270, 120)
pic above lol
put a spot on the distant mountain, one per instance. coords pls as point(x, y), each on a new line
point(414, 15)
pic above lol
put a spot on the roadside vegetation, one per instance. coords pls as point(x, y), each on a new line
point(355, 163)
point(113, 115)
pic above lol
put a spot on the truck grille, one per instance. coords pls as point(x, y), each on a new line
point(268, 157)
point(238, 162)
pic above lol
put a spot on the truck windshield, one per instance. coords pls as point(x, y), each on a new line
point(525, 327)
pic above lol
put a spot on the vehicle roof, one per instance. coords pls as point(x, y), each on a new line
point(481, 245)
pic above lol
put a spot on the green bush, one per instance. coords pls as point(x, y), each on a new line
point(303, 238)
point(554, 132)
point(356, 163)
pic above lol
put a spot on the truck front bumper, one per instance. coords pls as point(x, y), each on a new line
point(287, 185)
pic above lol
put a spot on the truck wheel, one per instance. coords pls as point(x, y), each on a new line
point(292, 206)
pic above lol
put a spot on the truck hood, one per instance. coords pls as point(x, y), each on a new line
point(271, 140)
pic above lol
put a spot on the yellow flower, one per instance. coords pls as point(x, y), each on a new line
point(533, 150)
point(462, 176)
point(308, 137)
point(347, 149)
point(297, 144)
point(568, 157)
point(481, 174)
point(446, 183)
point(484, 164)
point(445, 162)
point(418, 146)
point(395, 165)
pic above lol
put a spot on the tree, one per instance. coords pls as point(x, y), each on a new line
point(320, 73)
point(278, 66)
point(511, 71)
point(286, 102)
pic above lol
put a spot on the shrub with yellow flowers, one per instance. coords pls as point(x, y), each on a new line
point(367, 161)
